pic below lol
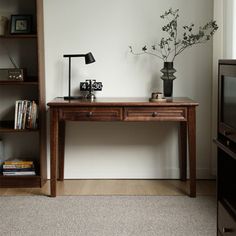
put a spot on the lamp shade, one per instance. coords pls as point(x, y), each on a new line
point(89, 58)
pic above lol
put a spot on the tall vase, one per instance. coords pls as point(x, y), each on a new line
point(168, 78)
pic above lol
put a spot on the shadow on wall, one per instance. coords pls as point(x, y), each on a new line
point(121, 150)
point(115, 136)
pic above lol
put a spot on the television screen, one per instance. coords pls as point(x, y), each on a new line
point(229, 101)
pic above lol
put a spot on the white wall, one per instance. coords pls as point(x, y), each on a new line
point(234, 30)
point(228, 28)
point(224, 13)
point(217, 54)
point(106, 28)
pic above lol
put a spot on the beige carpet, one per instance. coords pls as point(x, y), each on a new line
point(108, 216)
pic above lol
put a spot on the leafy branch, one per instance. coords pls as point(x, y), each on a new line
point(171, 46)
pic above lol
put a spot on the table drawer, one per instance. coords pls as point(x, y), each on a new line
point(91, 114)
point(226, 224)
point(155, 113)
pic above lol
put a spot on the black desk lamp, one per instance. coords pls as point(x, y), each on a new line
point(88, 59)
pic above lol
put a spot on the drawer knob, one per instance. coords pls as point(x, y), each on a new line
point(227, 230)
point(90, 114)
point(154, 114)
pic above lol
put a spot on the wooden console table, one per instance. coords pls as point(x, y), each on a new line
point(182, 110)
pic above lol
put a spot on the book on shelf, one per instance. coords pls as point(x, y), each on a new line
point(18, 168)
point(15, 162)
point(17, 173)
point(26, 114)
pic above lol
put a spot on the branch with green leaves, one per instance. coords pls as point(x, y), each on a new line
point(171, 45)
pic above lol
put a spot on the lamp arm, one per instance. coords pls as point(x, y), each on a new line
point(74, 55)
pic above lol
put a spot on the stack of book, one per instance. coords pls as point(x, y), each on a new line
point(26, 114)
point(16, 168)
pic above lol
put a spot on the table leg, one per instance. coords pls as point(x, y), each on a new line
point(61, 150)
point(192, 149)
point(183, 151)
point(53, 149)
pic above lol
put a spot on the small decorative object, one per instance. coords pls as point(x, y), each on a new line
point(3, 25)
point(12, 74)
point(21, 24)
point(88, 59)
point(16, 74)
point(171, 46)
point(157, 97)
point(91, 86)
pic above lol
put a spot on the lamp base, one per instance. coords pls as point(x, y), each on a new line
point(90, 96)
point(73, 97)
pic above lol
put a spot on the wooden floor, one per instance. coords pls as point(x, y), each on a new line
point(117, 187)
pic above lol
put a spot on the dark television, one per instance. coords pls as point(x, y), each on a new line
point(227, 99)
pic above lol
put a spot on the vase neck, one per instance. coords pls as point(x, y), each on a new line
point(168, 65)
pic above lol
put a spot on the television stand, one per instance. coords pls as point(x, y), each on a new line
point(226, 149)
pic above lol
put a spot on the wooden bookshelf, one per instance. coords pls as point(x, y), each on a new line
point(32, 88)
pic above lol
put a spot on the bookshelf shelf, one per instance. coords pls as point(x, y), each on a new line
point(11, 130)
point(18, 36)
point(20, 181)
point(7, 126)
point(27, 51)
point(21, 83)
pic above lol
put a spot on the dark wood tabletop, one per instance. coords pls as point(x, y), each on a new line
point(123, 101)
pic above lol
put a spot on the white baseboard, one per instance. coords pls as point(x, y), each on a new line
point(167, 173)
